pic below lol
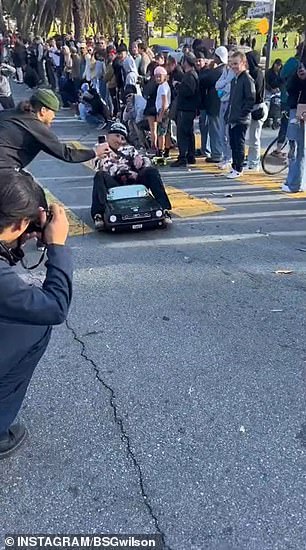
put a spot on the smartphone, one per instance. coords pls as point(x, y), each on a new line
point(101, 139)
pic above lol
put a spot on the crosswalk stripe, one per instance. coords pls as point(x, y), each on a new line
point(199, 239)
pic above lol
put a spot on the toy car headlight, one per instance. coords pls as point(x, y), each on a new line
point(158, 213)
point(113, 218)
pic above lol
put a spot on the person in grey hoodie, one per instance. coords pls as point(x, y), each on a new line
point(223, 87)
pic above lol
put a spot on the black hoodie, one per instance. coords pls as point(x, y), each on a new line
point(23, 136)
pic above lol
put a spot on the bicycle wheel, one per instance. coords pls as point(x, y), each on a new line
point(274, 163)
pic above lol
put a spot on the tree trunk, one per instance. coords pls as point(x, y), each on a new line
point(137, 20)
point(223, 24)
point(38, 16)
point(2, 21)
point(78, 12)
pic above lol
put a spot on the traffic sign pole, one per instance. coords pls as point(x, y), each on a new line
point(270, 33)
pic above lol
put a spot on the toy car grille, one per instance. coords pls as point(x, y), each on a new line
point(136, 216)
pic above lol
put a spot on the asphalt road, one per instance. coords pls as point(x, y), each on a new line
point(173, 399)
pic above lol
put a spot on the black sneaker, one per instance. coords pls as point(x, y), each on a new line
point(178, 162)
point(15, 437)
point(99, 222)
point(191, 160)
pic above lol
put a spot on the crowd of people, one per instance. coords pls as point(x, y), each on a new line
point(158, 97)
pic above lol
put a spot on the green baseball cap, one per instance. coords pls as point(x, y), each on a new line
point(47, 98)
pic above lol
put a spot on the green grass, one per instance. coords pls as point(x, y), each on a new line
point(171, 42)
point(279, 53)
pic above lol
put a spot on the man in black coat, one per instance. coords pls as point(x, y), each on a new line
point(242, 100)
point(202, 65)
point(187, 105)
point(27, 312)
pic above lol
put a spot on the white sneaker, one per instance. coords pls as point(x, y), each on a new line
point(286, 189)
point(224, 165)
point(233, 175)
point(254, 168)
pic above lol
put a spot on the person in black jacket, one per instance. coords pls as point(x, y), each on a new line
point(259, 112)
point(27, 312)
point(202, 65)
point(242, 100)
point(187, 104)
point(212, 103)
point(19, 56)
point(25, 132)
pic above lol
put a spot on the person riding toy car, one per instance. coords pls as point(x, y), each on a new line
point(121, 164)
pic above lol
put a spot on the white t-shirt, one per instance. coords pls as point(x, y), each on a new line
point(163, 89)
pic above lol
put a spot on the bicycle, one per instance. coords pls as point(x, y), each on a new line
point(276, 160)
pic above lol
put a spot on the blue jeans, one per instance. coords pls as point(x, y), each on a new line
point(203, 123)
point(214, 129)
point(297, 165)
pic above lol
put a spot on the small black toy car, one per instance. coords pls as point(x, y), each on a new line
point(132, 207)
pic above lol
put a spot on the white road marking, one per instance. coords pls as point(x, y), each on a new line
point(181, 241)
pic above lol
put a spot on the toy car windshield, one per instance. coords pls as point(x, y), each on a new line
point(127, 192)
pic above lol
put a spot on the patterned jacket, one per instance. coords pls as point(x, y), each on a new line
point(123, 163)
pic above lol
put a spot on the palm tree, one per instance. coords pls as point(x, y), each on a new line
point(137, 20)
point(38, 15)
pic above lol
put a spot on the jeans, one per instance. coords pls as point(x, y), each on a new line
point(203, 123)
point(254, 139)
point(149, 177)
point(14, 383)
point(237, 140)
point(224, 129)
point(185, 134)
point(296, 179)
point(214, 129)
point(19, 73)
point(93, 119)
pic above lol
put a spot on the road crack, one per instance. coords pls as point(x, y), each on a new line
point(124, 435)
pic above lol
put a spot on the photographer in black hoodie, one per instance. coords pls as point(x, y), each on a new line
point(25, 132)
point(27, 312)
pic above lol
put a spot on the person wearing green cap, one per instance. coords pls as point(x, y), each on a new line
point(25, 131)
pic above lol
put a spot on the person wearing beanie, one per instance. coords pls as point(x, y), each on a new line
point(187, 105)
point(162, 104)
point(25, 132)
point(212, 103)
point(122, 164)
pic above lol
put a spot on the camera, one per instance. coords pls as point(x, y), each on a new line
point(101, 139)
point(35, 226)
